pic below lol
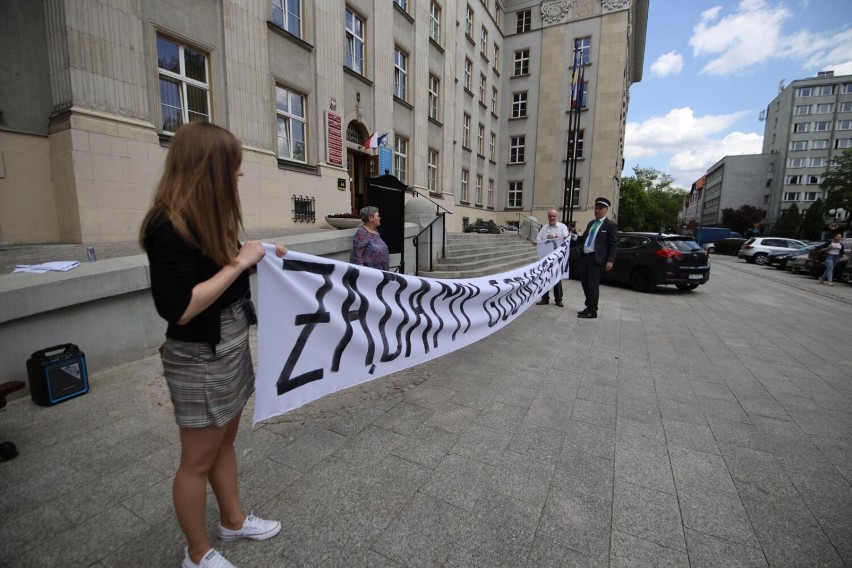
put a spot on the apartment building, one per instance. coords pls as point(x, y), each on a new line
point(807, 125)
point(473, 95)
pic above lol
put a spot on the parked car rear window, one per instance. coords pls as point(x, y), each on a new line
point(683, 245)
point(632, 241)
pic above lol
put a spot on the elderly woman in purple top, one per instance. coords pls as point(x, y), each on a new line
point(368, 248)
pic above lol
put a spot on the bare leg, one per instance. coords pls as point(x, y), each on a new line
point(199, 450)
point(223, 479)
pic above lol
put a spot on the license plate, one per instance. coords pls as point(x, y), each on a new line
point(696, 277)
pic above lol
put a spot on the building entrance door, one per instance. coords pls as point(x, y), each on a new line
point(359, 166)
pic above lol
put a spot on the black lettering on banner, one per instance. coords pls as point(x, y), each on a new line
point(416, 303)
point(510, 297)
point(471, 291)
point(457, 293)
point(350, 282)
point(445, 293)
point(285, 381)
point(493, 318)
point(388, 277)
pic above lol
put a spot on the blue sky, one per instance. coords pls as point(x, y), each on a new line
point(712, 66)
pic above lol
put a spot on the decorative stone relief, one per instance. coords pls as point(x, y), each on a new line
point(614, 5)
point(557, 12)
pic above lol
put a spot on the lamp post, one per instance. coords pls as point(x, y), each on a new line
point(838, 216)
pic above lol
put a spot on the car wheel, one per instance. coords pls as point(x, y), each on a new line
point(686, 286)
point(846, 277)
point(642, 280)
point(759, 259)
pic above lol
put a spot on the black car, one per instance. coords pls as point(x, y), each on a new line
point(483, 227)
point(730, 246)
point(780, 259)
point(647, 260)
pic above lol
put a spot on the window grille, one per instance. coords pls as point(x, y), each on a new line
point(304, 209)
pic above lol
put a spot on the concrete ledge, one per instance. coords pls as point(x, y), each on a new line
point(106, 309)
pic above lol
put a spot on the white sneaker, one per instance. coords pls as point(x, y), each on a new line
point(210, 560)
point(831, 283)
point(253, 528)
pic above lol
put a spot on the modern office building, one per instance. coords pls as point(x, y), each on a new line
point(732, 182)
point(808, 124)
point(473, 95)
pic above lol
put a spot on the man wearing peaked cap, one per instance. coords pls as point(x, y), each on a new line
point(599, 246)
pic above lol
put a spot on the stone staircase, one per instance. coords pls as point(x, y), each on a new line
point(469, 255)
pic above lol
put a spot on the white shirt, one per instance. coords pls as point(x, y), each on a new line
point(557, 231)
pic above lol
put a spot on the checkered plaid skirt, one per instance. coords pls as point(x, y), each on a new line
point(207, 388)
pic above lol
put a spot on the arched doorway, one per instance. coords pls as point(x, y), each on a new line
point(359, 163)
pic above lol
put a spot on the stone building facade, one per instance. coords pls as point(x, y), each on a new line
point(92, 90)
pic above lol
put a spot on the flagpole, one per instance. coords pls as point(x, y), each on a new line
point(575, 140)
point(568, 186)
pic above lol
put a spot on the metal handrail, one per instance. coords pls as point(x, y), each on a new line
point(440, 216)
point(416, 193)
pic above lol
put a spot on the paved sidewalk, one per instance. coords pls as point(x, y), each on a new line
point(705, 428)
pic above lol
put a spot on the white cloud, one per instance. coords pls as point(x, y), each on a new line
point(690, 144)
point(670, 63)
point(739, 42)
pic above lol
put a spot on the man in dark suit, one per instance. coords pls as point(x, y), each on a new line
point(599, 246)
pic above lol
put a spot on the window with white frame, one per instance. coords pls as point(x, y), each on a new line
point(288, 15)
point(494, 101)
point(519, 105)
point(523, 21)
point(846, 89)
point(522, 62)
point(435, 21)
point(468, 28)
point(825, 108)
point(184, 87)
point(844, 125)
point(842, 143)
point(480, 140)
point(515, 195)
point(290, 119)
point(796, 162)
point(478, 195)
point(801, 127)
point(793, 180)
point(583, 47)
point(468, 72)
point(496, 56)
point(798, 145)
point(434, 90)
point(483, 41)
point(490, 197)
point(516, 149)
point(823, 90)
point(402, 4)
point(822, 126)
point(482, 87)
point(464, 179)
point(492, 146)
point(400, 157)
point(354, 42)
point(802, 110)
point(813, 179)
point(466, 131)
point(810, 196)
point(821, 144)
point(845, 106)
point(575, 196)
point(400, 73)
point(819, 162)
point(804, 92)
point(791, 196)
point(432, 171)
point(580, 134)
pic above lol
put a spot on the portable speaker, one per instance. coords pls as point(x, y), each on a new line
point(57, 373)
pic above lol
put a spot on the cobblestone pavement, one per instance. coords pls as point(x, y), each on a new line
point(704, 428)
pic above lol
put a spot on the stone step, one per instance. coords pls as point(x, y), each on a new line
point(470, 255)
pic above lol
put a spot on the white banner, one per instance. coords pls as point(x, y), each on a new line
point(325, 325)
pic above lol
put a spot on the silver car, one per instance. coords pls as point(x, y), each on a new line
point(756, 249)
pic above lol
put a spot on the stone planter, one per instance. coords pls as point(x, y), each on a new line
point(343, 222)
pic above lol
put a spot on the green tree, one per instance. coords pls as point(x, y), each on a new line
point(789, 222)
point(814, 222)
point(648, 202)
point(837, 182)
point(742, 219)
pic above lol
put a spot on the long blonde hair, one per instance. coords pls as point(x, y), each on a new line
point(198, 190)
